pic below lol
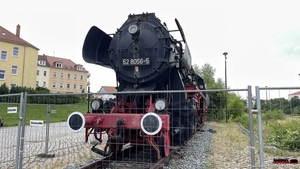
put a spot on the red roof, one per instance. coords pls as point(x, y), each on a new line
point(7, 36)
point(66, 63)
point(296, 93)
point(109, 88)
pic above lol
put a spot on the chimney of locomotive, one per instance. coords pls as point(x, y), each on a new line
point(134, 31)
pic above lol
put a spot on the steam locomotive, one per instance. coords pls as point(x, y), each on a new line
point(158, 103)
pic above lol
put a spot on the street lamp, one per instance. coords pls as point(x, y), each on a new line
point(226, 111)
point(266, 96)
point(88, 84)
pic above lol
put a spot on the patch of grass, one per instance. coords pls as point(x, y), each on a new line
point(39, 112)
point(209, 151)
point(229, 144)
point(283, 153)
point(231, 148)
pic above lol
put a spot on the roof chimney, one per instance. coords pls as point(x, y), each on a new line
point(18, 30)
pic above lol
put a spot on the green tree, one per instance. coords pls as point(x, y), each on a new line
point(217, 99)
point(207, 72)
point(220, 83)
point(296, 110)
point(294, 102)
point(236, 106)
point(4, 89)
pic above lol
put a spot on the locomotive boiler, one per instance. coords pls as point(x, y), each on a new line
point(158, 103)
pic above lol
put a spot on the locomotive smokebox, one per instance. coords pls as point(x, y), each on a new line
point(95, 47)
point(76, 121)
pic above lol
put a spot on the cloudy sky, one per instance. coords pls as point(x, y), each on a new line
point(262, 38)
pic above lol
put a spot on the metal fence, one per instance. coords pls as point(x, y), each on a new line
point(11, 108)
point(277, 124)
point(39, 140)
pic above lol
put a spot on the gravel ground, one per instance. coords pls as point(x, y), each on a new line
point(195, 154)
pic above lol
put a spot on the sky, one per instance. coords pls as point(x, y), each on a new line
point(262, 38)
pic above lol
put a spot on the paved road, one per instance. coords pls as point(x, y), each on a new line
point(68, 147)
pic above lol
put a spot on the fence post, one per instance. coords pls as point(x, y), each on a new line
point(47, 128)
point(47, 132)
point(46, 155)
point(260, 140)
point(19, 130)
point(251, 128)
point(23, 130)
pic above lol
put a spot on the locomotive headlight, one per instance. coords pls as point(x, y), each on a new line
point(132, 29)
point(151, 123)
point(160, 104)
point(96, 104)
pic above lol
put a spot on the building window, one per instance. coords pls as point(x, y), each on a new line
point(13, 85)
point(42, 62)
point(68, 85)
point(61, 75)
point(79, 67)
point(54, 74)
point(54, 84)
point(44, 84)
point(45, 73)
point(59, 65)
point(81, 77)
point(37, 83)
point(38, 72)
point(75, 86)
point(69, 76)
point(3, 55)
point(14, 70)
point(15, 51)
point(75, 77)
point(81, 86)
point(61, 85)
point(2, 74)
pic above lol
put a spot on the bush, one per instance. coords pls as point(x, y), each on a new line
point(44, 99)
point(244, 120)
point(236, 106)
point(273, 115)
point(42, 90)
point(4, 89)
point(284, 135)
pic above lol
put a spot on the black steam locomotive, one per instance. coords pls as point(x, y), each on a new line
point(158, 103)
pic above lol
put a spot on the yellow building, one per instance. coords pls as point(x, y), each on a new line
point(16, 60)
point(61, 75)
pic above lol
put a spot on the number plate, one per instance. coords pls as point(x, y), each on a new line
point(136, 62)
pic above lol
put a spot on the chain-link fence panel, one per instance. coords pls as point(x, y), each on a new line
point(10, 129)
point(150, 124)
point(279, 123)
